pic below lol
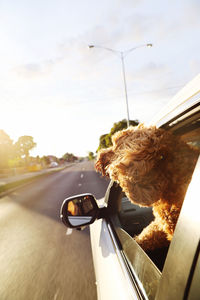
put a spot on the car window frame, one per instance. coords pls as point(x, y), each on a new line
point(180, 257)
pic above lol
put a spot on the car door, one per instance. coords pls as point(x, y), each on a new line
point(113, 277)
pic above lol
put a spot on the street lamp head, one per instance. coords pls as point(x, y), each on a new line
point(149, 45)
point(91, 46)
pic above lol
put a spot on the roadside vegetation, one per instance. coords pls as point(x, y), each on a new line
point(105, 140)
point(15, 157)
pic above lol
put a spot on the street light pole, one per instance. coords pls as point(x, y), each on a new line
point(125, 89)
point(121, 55)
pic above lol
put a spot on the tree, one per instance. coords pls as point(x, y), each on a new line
point(105, 140)
point(91, 155)
point(122, 125)
point(6, 149)
point(24, 145)
point(69, 157)
point(45, 160)
point(102, 141)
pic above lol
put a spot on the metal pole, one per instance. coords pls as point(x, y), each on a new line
point(125, 88)
point(121, 55)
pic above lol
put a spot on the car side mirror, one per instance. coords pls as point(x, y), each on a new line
point(79, 210)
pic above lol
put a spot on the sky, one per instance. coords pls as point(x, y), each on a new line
point(65, 95)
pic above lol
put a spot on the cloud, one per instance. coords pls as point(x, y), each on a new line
point(191, 13)
point(35, 70)
point(117, 30)
point(151, 70)
point(152, 76)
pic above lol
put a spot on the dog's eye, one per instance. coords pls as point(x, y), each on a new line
point(161, 157)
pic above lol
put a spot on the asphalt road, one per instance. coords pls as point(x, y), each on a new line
point(40, 259)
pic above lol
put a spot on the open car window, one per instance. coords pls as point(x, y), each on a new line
point(131, 219)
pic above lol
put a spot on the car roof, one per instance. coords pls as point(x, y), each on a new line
point(187, 99)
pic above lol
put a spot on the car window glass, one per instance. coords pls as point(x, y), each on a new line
point(145, 273)
point(192, 138)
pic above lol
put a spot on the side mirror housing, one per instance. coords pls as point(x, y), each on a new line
point(79, 210)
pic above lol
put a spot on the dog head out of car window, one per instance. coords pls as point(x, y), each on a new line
point(148, 163)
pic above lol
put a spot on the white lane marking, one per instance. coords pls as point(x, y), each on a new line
point(69, 231)
point(82, 175)
point(80, 184)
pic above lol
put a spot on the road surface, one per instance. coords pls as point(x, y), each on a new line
point(40, 258)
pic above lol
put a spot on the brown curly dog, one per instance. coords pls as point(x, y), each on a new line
point(153, 168)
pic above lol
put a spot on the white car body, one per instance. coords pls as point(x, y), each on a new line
point(114, 279)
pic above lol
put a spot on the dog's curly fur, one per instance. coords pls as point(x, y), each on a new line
point(153, 168)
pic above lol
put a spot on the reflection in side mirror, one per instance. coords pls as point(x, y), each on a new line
point(79, 210)
point(79, 221)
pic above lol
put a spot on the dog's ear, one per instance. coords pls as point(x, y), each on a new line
point(104, 159)
point(150, 190)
